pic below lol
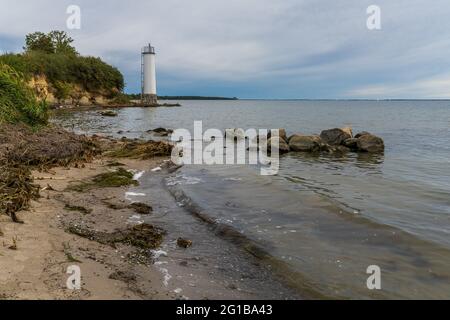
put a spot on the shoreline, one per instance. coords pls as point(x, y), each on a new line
point(35, 256)
point(57, 106)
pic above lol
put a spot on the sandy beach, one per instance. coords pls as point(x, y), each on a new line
point(36, 268)
point(68, 225)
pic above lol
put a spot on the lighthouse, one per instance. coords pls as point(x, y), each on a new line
point(148, 76)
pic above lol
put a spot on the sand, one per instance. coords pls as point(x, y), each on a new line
point(34, 256)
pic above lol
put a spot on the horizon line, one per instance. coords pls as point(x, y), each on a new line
point(311, 99)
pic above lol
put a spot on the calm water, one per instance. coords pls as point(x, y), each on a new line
point(326, 218)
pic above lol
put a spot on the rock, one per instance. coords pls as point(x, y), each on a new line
point(282, 134)
point(306, 143)
point(184, 263)
point(261, 138)
point(141, 208)
point(161, 132)
point(361, 134)
point(370, 143)
point(108, 113)
point(348, 130)
point(335, 137)
point(338, 149)
point(85, 101)
point(283, 147)
point(351, 143)
point(184, 243)
point(235, 134)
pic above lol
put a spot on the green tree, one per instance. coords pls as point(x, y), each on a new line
point(39, 41)
point(62, 42)
point(53, 42)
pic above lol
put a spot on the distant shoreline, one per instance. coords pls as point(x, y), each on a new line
point(280, 99)
point(375, 100)
point(194, 98)
point(138, 97)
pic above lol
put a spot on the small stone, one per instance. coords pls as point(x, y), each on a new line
point(108, 113)
point(184, 243)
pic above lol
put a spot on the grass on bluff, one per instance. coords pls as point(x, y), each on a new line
point(64, 72)
point(18, 103)
point(53, 56)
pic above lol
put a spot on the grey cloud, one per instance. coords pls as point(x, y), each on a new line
point(316, 45)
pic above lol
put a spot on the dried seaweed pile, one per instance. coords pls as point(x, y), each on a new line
point(142, 150)
point(50, 146)
point(22, 149)
point(16, 189)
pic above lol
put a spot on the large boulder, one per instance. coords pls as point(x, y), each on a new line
point(283, 147)
point(362, 134)
point(282, 133)
point(351, 143)
point(348, 130)
point(306, 143)
point(335, 137)
point(367, 142)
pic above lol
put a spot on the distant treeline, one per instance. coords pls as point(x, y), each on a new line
point(135, 96)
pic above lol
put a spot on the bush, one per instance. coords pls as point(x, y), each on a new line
point(63, 90)
point(17, 101)
point(121, 98)
point(92, 74)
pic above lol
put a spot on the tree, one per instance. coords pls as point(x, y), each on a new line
point(39, 41)
point(62, 42)
point(52, 42)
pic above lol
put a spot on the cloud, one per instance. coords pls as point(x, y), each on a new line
point(278, 49)
point(431, 88)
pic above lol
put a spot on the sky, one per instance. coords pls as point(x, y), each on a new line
point(285, 49)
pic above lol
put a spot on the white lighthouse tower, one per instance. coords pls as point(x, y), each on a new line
point(148, 76)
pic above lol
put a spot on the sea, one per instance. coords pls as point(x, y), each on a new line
point(325, 222)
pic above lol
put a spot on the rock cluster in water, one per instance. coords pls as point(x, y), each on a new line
point(332, 141)
point(338, 140)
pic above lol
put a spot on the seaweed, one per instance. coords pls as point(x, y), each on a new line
point(23, 148)
point(142, 150)
point(143, 236)
point(141, 208)
point(113, 179)
point(16, 190)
